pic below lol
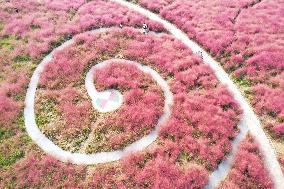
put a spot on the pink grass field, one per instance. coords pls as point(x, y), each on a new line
point(246, 37)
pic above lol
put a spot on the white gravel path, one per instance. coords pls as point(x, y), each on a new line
point(249, 117)
point(81, 158)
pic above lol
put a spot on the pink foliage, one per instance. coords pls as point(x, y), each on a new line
point(108, 177)
point(19, 26)
point(158, 173)
point(8, 109)
point(76, 111)
point(165, 52)
point(117, 75)
point(194, 177)
point(269, 100)
point(15, 84)
point(200, 76)
point(215, 41)
point(176, 128)
point(97, 13)
point(45, 172)
point(162, 173)
point(279, 129)
point(132, 116)
point(155, 5)
point(262, 66)
point(212, 29)
point(64, 5)
point(200, 110)
point(281, 161)
point(62, 71)
point(248, 170)
point(133, 163)
point(207, 124)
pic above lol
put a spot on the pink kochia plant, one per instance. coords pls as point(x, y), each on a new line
point(118, 75)
point(279, 129)
point(160, 173)
point(8, 109)
point(62, 71)
point(9, 106)
point(76, 111)
point(147, 171)
point(64, 5)
point(248, 170)
point(43, 171)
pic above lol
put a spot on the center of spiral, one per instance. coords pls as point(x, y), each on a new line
point(104, 101)
point(108, 100)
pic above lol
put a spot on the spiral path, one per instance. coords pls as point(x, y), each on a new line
point(101, 157)
point(110, 100)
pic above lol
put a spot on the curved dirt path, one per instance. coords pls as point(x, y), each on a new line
point(249, 117)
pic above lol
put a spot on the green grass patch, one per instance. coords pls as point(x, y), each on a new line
point(41, 120)
point(20, 121)
point(1, 25)
point(22, 58)
point(17, 66)
point(245, 86)
point(26, 138)
point(242, 81)
point(11, 159)
point(185, 157)
point(34, 26)
point(4, 133)
point(6, 42)
point(58, 42)
point(47, 112)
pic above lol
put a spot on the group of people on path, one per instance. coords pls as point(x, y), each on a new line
point(145, 28)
